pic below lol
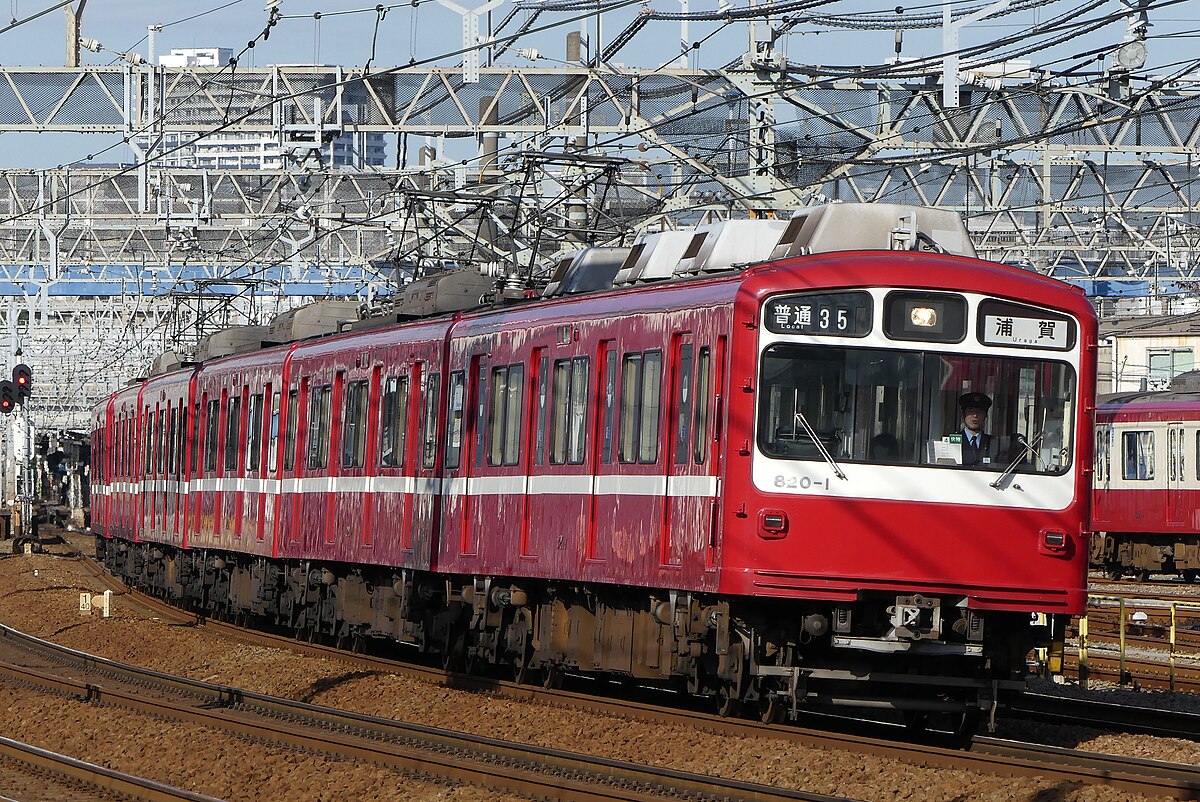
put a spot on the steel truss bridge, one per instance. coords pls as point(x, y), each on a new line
point(104, 267)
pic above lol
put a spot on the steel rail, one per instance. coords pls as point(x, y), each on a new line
point(994, 756)
point(429, 751)
point(1109, 716)
point(110, 780)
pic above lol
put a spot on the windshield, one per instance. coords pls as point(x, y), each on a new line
point(914, 408)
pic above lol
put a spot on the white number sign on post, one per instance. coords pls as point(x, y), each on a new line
point(85, 604)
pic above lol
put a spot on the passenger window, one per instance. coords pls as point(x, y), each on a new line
point(683, 404)
point(454, 422)
point(610, 401)
point(579, 401)
point(354, 424)
point(211, 426)
point(631, 394)
point(504, 418)
point(542, 408)
point(429, 421)
point(233, 432)
point(194, 463)
point(273, 437)
point(254, 433)
point(160, 442)
point(651, 395)
point(319, 412)
point(289, 432)
point(393, 426)
point(1137, 453)
point(559, 418)
point(700, 427)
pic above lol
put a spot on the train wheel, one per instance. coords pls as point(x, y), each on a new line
point(1143, 575)
point(728, 704)
point(552, 677)
point(772, 711)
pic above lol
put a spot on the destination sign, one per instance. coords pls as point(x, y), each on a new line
point(1004, 323)
point(830, 314)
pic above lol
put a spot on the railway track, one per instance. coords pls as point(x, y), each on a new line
point(72, 772)
point(990, 755)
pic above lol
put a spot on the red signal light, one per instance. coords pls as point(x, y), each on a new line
point(22, 377)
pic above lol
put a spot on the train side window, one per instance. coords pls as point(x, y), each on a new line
point(147, 441)
point(160, 461)
point(212, 422)
point(194, 459)
point(392, 427)
point(542, 406)
point(610, 401)
point(429, 421)
point(233, 432)
point(454, 420)
point(319, 413)
point(559, 419)
point(1137, 454)
point(173, 441)
point(651, 400)
point(354, 425)
point(579, 407)
point(273, 437)
point(254, 433)
point(700, 426)
point(631, 396)
point(683, 404)
point(504, 416)
point(289, 430)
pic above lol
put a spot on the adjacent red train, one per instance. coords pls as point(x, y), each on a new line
point(1146, 506)
point(749, 481)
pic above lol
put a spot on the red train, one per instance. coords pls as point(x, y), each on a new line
point(749, 480)
point(1146, 505)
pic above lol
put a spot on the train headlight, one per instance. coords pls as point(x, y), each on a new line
point(923, 316)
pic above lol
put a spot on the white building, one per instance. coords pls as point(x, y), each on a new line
point(251, 151)
point(1146, 352)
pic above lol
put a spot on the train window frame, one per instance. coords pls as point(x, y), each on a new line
point(505, 402)
point(429, 428)
point(233, 431)
point(581, 372)
point(393, 428)
point(320, 415)
point(631, 394)
point(610, 400)
point(543, 389)
point(194, 437)
point(455, 405)
point(273, 433)
point(290, 430)
point(173, 439)
point(651, 407)
point(147, 441)
point(1143, 469)
point(683, 399)
point(355, 399)
point(559, 411)
point(212, 428)
point(160, 436)
point(700, 403)
point(254, 410)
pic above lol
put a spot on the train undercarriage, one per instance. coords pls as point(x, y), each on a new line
point(1140, 555)
point(927, 661)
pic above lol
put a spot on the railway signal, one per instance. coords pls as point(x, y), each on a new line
point(22, 377)
point(8, 396)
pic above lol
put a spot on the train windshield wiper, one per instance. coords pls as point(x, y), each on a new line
point(1027, 450)
point(812, 433)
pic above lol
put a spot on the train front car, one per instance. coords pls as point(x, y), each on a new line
point(893, 562)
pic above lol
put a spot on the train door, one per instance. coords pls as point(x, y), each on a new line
point(1176, 471)
point(352, 498)
point(254, 485)
point(1101, 474)
point(691, 502)
point(426, 481)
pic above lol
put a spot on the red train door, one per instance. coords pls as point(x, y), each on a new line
point(1176, 467)
point(691, 481)
point(426, 480)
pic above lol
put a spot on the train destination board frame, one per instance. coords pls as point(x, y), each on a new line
point(829, 314)
point(1020, 326)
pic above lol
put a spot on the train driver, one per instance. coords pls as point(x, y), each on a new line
point(976, 443)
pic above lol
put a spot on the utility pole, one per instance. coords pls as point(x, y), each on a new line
point(74, 19)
